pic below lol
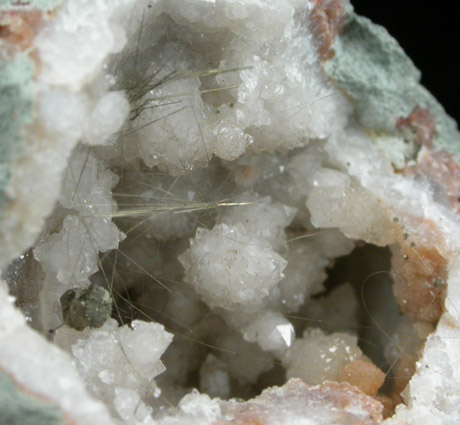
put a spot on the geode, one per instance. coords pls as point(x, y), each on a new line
point(222, 212)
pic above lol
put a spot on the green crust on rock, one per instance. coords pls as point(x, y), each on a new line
point(45, 5)
point(17, 408)
point(371, 67)
point(16, 111)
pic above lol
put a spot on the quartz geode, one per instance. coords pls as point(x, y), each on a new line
point(222, 212)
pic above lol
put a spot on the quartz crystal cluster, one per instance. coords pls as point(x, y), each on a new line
point(223, 212)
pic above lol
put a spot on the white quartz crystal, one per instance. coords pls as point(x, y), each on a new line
point(69, 256)
point(337, 311)
point(43, 369)
point(71, 47)
point(107, 117)
point(96, 31)
point(232, 269)
point(113, 359)
point(255, 216)
point(294, 403)
point(331, 353)
point(304, 274)
point(271, 331)
point(131, 409)
point(245, 361)
point(219, 175)
point(269, 91)
point(338, 201)
point(214, 378)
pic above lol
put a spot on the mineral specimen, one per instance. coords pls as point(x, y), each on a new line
point(88, 307)
point(222, 212)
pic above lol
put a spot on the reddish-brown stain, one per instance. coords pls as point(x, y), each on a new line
point(420, 282)
point(419, 266)
point(18, 29)
point(442, 169)
point(449, 321)
point(388, 405)
point(363, 374)
point(422, 123)
point(327, 19)
point(342, 398)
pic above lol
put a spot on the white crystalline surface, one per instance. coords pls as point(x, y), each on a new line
point(214, 379)
point(70, 256)
point(269, 92)
point(336, 311)
point(232, 269)
point(116, 361)
point(93, 27)
point(73, 103)
point(271, 331)
point(248, 362)
point(43, 369)
point(255, 216)
point(302, 278)
point(218, 181)
point(294, 403)
point(331, 353)
point(338, 201)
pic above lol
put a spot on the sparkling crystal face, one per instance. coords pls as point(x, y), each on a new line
point(256, 191)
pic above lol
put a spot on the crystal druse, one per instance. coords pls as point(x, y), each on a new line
point(223, 212)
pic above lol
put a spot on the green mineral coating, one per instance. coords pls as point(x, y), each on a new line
point(16, 111)
point(45, 5)
point(437, 283)
point(371, 67)
point(91, 307)
point(17, 408)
